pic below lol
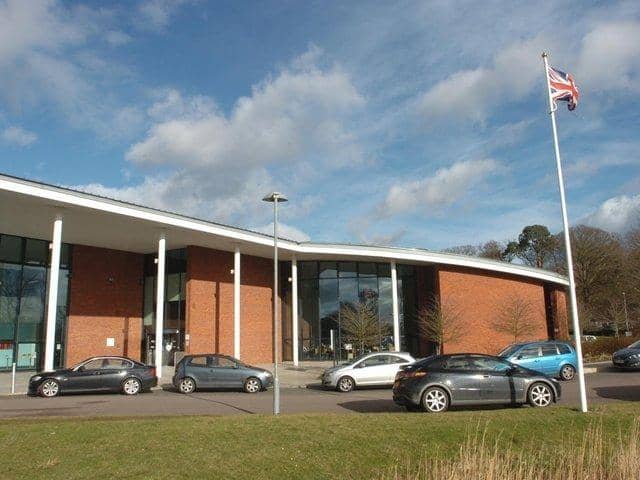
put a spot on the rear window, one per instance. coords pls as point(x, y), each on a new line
point(432, 362)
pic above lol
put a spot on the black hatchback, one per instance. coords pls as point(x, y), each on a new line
point(438, 382)
point(95, 374)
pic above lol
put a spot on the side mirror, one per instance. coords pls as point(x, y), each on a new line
point(519, 357)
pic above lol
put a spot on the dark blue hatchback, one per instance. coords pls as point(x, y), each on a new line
point(555, 359)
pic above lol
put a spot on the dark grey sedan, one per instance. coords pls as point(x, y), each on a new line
point(437, 382)
point(219, 371)
point(95, 374)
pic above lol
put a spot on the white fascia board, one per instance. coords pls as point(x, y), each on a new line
point(391, 253)
point(90, 201)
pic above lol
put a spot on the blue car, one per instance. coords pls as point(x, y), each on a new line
point(555, 359)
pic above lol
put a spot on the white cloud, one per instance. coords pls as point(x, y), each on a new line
point(219, 166)
point(156, 14)
point(284, 231)
point(116, 38)
point(18, 136)
point(299, 113)
point(445, 187)
point(617, 214)
point(46, 59)
point(470, 94)
point(610, 57)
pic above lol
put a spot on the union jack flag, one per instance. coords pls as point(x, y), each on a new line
point(563, 88)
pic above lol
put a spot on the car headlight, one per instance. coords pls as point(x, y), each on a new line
point(36, 378)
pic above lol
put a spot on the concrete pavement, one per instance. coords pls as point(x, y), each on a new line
point(603, 387)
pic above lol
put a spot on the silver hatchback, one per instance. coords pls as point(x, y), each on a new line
point(372, 369)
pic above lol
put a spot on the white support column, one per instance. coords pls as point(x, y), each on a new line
point(162, 244)
point(52, 299)
point(294, 308)
point(394, 300)
point(236, 303)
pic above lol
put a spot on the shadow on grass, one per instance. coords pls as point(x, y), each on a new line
point(389, 406)
point(627, 392)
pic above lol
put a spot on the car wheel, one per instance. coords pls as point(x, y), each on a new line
point(346, 384)
point(49, 388)
point(540, 395)
point(567, 372)
point(252, 385)
point(187, 385)
point(435, 400)
point(131, 386)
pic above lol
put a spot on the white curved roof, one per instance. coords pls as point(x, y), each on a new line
point(27, 208)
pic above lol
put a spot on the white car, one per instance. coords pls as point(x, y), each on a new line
point(368, 370)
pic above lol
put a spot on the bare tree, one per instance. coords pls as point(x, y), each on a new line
point(516, 318)
point(439, 324)
point(360, 324)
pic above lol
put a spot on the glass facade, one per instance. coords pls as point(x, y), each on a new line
point(174, 306)
point(24, 272)
point(345, 308)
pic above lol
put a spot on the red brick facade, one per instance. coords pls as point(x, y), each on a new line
point(105, 301)
point(480, 297)
point(106, 295)
point(209, 321)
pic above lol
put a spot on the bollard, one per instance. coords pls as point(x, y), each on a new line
point(13, 378)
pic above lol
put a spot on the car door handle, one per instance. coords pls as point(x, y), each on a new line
point(486, 376)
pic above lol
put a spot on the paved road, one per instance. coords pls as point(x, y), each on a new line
point(603, 387)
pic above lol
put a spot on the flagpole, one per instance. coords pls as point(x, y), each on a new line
point(567, 243)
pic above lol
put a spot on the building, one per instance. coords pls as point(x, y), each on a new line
point(119, 267)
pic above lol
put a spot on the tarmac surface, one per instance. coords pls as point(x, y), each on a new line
point(607, 385)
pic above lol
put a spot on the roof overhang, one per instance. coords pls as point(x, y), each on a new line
point(28, 208)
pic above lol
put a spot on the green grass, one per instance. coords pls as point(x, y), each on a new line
point(292, 446)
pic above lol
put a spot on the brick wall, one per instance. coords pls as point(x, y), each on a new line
point(256, 319)
point(209, 318)
point(479, 298)
point(100, 309)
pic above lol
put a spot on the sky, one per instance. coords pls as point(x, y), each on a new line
point(414, 124)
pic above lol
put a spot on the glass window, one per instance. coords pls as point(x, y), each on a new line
point(328, 269)
point(36, 252)
point(10, 277)
point(224, 362)
point(10, 249)
point(457, 363)
point(94, 364)
point(529, 352)
point(396, 359)
point(65, 256)
point(111, 363)
point(564, 349)
point(347, 269)
point(384, 270)
point(375, 361)
point(549, 350)
point(198, 362)
point(486, 363)
point(308, 270)
point(367, 269)
point(32, 300)
point(406, 270)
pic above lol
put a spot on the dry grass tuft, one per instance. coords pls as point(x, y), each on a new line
point(592, 457)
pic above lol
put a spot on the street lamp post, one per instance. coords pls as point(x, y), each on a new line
point(626, 314)
point(275, 198)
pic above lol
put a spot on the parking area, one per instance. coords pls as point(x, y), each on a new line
point(604, 386)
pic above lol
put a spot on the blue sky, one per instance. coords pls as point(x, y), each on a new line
point(420, 124)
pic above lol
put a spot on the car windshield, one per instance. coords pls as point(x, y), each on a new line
point(510, 350)
point(635, 345)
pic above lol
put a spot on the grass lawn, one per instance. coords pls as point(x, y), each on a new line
point(292, 446)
